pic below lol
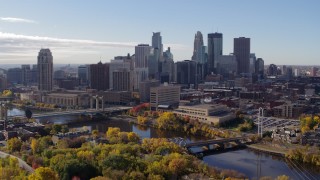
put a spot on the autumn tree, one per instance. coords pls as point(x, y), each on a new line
point(167, 120)
point(95, 133)
point(142, 120)
point(43, 173)
point(14, 144)
point(133, 137)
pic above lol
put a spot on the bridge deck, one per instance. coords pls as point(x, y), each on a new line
point(215, 141)
point(74, 112)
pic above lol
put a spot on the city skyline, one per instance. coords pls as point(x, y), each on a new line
point(102, 30)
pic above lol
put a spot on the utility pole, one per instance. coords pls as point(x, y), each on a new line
point(260, 121)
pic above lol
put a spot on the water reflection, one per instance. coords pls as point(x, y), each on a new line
point(252, 163)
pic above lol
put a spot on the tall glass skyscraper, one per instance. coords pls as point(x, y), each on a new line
point(214, 50)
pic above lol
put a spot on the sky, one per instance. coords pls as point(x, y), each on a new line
point(85, 32)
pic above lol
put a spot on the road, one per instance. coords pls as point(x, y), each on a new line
point(22, 163)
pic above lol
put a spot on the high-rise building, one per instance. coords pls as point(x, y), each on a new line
point(120, 64)
point(167, 67)
point(153, 63)
point(99, 76)
point(215, 48)
point(142, 54)
point(14, 76)
point(241, 49)
point(3, 82)
point(121, 79)
point(25, 68)
point(227, 65)
point(144, 89)
point(198, 46)
point(252, 63)
point(34, 74)
point(157, 44)
point(186, 73)
point(259, 68)
point(273, 70)
point(83, 74)
point(45, 70)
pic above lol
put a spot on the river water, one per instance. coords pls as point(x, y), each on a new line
point(252, 163)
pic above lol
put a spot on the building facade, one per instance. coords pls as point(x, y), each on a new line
point(214, 50)
point(144, 89)
point(99, 76)
point(45, 70)
point(142, 54)
point(164, 96)
point(241, 49)
point(227, 65)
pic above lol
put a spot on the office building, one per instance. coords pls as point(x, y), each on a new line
point(259, 67)
point(164, 96)
point(215, 47)
point(157, 44)
point(186, 73)
point(205, 113)
point(227, 66)
point(99, 76)
point(167, 67)
point(144, 89)
point(34, 74)
point(25, 72)
point(14, 76)
point(121, 80)
point(142, 54)
point(45, 70)
point(252, 63)
point(241, 49)
point(83, 74)
point(121, 64)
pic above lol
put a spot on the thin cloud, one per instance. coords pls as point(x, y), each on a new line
point(17, 20)
point(16, 46)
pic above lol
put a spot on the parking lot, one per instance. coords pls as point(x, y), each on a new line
point(270, 123)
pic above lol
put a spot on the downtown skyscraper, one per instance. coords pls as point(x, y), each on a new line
point(45, 70)
point(215, 47)
point(241, 49)
point(198, 48)
point(141, 65)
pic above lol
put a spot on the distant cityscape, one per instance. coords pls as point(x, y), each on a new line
point(233, 96)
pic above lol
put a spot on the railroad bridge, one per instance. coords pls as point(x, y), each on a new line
point(211, 146)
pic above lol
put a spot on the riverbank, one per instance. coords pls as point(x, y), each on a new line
point(267, 149)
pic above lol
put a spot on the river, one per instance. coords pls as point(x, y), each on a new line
point(252, 163)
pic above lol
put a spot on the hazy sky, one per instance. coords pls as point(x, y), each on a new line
point(79, 31)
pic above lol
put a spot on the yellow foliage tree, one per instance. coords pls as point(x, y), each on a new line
point(43, 173)
point(142, 120)
point(166, 119)
point(133, 137)
point(14, 144)
point(34, 146)
point(112, 132)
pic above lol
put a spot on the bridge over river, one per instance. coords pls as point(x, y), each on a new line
point(214, 145)
point(75, 112)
